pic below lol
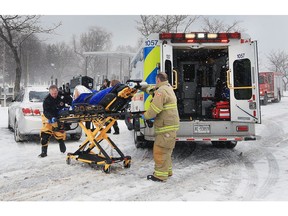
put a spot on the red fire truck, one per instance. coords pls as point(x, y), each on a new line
point(271, 87)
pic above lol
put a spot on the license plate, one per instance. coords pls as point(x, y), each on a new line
point(205, 129)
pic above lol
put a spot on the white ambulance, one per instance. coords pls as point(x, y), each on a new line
point(215, 79)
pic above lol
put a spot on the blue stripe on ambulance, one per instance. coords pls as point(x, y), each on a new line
point(151, 59)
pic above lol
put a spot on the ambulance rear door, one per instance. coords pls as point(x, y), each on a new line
point(167, 64)
point(242, 80)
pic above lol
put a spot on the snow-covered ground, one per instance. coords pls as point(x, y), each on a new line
point(253, 171)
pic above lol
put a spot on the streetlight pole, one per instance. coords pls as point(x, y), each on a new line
point(86, 65)
point(121, 69)
point(107, 69)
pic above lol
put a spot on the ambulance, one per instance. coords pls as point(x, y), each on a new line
point(215, 79)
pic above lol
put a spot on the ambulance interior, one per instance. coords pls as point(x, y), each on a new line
point(201, 82)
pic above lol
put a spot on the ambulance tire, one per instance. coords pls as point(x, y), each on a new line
point(218, 144)
point(139, 140)
point(224, 144)
point(231, 144)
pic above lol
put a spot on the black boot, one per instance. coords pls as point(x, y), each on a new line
point(116, 128)
point(153, 178)
point(43, 151)
point(62, 146)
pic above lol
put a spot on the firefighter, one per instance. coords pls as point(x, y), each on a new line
point(51, 105)
point(163, 109)
point(107, 84)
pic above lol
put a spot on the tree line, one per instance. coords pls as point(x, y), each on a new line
point(26, 59)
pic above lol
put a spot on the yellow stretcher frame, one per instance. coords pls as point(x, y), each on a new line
point(102, 123)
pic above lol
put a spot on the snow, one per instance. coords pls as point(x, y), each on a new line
point(253, 171)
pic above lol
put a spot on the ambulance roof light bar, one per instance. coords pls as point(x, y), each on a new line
point(200, 37)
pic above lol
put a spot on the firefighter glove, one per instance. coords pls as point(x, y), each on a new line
point(142, 116)
point(52, 120)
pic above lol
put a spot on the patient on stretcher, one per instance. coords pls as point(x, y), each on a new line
point(82, 94)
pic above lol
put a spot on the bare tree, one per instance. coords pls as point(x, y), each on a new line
point(215, 25)
point(96, 39)
point(278, 62)
point(164, 23)
point(14, 30)
point(60, 57)
point(31, 59)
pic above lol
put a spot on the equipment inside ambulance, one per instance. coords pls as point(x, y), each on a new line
point(215, 79)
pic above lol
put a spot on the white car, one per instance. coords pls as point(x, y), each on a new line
point(24, 114)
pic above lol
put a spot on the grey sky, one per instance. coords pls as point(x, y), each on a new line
point(260, 20)
point(123, 27)
point(268, 30)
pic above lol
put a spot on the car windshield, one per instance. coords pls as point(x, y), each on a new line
point(37, 96)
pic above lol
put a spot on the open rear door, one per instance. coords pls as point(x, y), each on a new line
point(167, 64)
point(242, 80)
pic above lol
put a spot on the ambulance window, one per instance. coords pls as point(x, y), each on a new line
point(189, 72)
point(168, 70)
point(242, 78)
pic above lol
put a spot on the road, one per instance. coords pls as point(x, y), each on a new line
point(253, 170)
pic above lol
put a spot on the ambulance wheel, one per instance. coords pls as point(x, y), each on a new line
point(224, 144)
point(106, 170)
point(218, 144)
point(139, 140)
point(231, 144)
point(68, 160)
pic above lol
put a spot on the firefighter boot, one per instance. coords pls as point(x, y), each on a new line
point(62, 146)
point(153, 178)
point(116, 129)
point(43, 151)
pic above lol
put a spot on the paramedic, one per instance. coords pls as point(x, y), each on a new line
point(51, 105)
point(115, 125)
point(106, 84)
point(163, 108)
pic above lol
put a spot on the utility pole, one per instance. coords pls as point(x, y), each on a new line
point(86, 66)
point(121, 69)
point(107, 63)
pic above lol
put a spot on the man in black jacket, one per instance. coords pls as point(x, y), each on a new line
point(51, 106)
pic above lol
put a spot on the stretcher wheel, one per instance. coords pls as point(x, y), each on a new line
point(106, 169)
point(127, 164)
point(68, 160)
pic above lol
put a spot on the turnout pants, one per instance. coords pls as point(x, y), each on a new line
point(49, 130)
point(162, 151)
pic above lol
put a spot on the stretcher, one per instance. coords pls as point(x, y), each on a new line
point(102, 116)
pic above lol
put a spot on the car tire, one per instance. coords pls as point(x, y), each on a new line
point(18, 137)
point(75, 137)
point(9, 124)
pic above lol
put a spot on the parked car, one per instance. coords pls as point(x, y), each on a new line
point(24, 114)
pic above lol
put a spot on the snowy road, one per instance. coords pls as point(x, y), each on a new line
point(254, 170)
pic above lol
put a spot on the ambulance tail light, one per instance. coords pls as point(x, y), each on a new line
point(242, 128)
point(200, 37)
